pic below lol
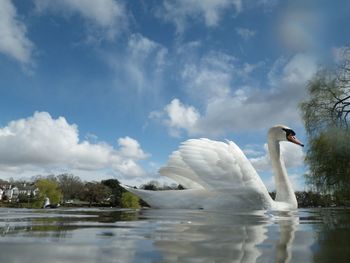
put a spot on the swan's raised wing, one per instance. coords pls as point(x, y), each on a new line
point(212, 165)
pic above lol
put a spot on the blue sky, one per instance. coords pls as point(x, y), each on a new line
point(110, 88)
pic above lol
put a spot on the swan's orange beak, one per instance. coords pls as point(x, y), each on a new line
point(293, 139)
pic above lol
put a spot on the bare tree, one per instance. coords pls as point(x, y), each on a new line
point(71, 186)
point(329, 101)
point(326, 114)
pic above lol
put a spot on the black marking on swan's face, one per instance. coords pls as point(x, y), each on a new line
point(289, 132)
point(290, 136)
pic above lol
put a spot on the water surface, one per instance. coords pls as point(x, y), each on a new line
point(114, 235)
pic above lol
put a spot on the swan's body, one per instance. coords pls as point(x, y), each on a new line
point(218, 175)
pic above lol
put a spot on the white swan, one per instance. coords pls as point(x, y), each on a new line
point(218, 175)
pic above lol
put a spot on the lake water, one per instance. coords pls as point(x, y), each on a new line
point(112, 235)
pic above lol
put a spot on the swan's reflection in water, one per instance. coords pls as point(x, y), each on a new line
point(225, 237)
point(172, 236)
point(288, 222)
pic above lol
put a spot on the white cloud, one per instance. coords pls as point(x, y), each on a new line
point(177, 117)
point(228, 108)
point(141, 67)
point(298, 71)
point(210, 77)
point(252, 150)
point(41, 143)
point(13, 34)
point(245, 33)
point(247, 69)
point(181, 12)
point(145, 61)
point(129, 168)
point(249, 108)
point(131, 148)
point(105, 17)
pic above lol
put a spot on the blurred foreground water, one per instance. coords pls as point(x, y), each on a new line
point(114, 235)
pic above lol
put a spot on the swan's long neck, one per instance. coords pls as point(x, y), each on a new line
point(284, 190)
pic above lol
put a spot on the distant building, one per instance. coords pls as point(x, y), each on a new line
point(8, 194)
point(29, 190)
point(11, 193)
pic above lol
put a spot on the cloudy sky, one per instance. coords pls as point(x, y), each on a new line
point(110, 88)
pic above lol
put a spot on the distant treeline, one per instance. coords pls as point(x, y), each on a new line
point(70, 190)
point(314, 199)
point(67, 190)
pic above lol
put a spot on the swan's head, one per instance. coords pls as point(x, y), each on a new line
point(283, 133)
